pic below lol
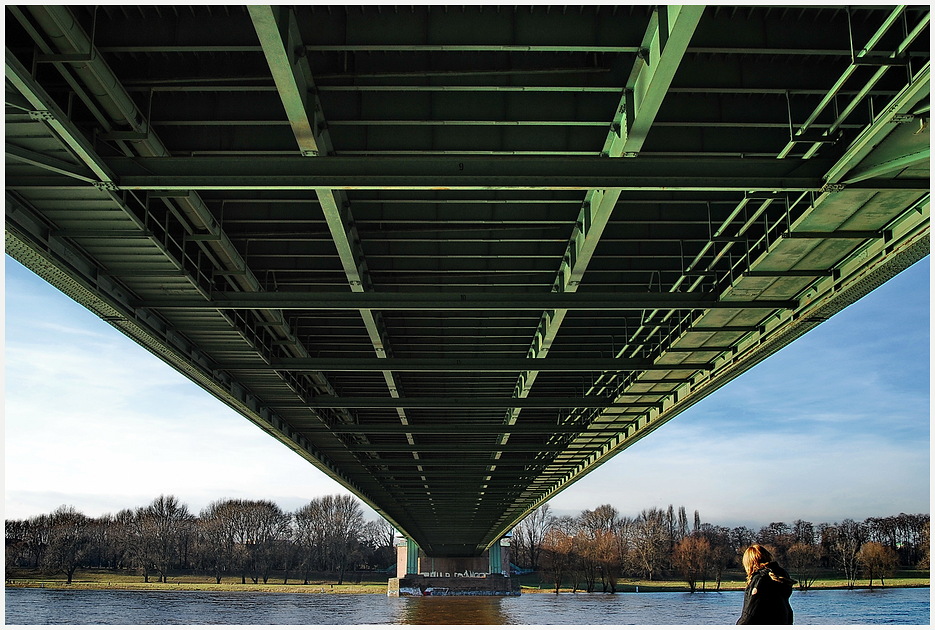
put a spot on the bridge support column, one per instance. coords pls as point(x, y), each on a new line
point(418, 574)
point(412, 556)
point(496, 561)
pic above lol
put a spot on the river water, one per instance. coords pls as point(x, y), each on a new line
point(35, 606)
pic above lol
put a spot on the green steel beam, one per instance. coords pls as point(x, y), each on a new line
point(577, 89)
point(472, 467)
point(910, 159)
point(463, 173)
point(467, 448)
point(479, 402)
point(765, 273)
point(450, 301)
point(663, 175)
point(277, 35)
point(470, 429)
point(837, 234)
point(430, 487)
point(533, 48)
point(457, 123)
point(390, 48)
point(664, 44)
point(453, 475)
point(465, 365)
point(54, 165)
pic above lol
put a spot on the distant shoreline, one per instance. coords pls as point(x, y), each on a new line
point(378, 588)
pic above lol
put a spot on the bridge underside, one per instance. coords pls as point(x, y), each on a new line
point(459, 257)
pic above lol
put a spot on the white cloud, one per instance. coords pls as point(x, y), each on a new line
point(93, 420)
point(181, 442)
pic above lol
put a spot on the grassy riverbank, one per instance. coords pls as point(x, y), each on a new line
point(734, 580)
point(122, 580)
point(376, 584)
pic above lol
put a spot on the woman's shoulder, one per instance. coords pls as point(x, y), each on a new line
point(762, 571)
point(778, 574)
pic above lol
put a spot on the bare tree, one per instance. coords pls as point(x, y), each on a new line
point(310, 536)
point(651, 543)
point(101, 542)
point(803, 561)
point(216, 536)
point(270, 526)
point(741, 538)
point(330, 527)
point(682, 530)
point(599, 547)
point(912, 533)
point(803, 532)
point(14, 542)
point(721, 553)
point(68, 542)
point(559, 550)
point(378, 536)
point(845, 540)
point(877, 560)
point(347, 525)
point(529, 534)
point(779, 536)
point(164, 524)
point(691, 558)
point(36, 534)
point(925, 555)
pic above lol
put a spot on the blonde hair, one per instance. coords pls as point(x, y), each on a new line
point(755, 558)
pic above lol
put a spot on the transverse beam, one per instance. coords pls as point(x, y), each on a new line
point(332, 300)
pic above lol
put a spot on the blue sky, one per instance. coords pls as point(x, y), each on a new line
point(834, 426)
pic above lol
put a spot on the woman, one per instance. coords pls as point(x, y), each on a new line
point(766, 598)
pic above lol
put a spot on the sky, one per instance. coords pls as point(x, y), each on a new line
point(836, 425)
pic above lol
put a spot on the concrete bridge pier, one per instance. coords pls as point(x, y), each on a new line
point(419, 575)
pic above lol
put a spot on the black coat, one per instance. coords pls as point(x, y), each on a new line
point(766, 598)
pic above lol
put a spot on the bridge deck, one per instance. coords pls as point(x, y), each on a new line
point(457, 257)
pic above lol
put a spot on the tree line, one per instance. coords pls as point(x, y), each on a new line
point(596, 548)
point(253, 539)
point(230, 537)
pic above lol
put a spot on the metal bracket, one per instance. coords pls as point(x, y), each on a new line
point(816, 137)
point(310, 153)
point(902, 118)
point(106, 186)
point(831, 188)
point(41, 114)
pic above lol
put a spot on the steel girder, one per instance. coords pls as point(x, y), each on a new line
point(468, 173)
